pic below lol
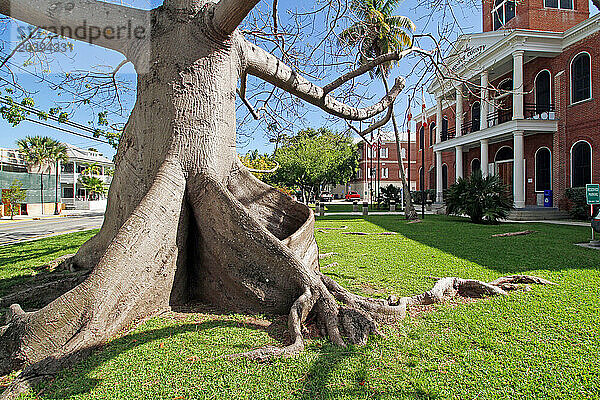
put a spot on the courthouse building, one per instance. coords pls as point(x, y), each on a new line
point(525, 104)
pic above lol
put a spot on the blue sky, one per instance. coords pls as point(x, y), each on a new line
point(85, 56)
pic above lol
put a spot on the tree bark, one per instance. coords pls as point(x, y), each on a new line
point(185, 220)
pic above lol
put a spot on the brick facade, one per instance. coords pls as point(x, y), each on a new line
point(575, 122)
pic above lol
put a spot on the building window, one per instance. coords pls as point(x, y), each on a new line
point(504, 11)
point(359, 173)
point(444, 177)
point(444, 128)
point(385, 172)
point(476, 116)
point(542, 92)
point(431, 134)
point(421, 138)
point(475, 165)
point(383, 152)
point(581, 164)
point(562, 4)
point(543, 169)
point(581, 78)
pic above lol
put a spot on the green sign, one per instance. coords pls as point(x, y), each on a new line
point(592, 193)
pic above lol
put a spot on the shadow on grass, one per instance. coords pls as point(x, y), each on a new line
point(551, 247)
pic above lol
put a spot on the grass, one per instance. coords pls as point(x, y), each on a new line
point(543, 344)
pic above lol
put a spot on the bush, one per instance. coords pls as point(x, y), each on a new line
point(578, 208)
point(482, 199)
point(417, 196)
point(389, 193)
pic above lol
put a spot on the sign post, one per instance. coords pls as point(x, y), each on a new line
point(592, 197)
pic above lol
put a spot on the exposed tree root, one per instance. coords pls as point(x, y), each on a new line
point(514, 234)
point(325, 255)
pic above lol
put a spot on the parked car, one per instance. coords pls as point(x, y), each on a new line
point(325, 197)
point(352, 195)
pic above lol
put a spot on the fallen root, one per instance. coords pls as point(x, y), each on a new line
point(514, 233)
point(358, 316)
point(369, 233)
point(325, 255)
point(334, 229)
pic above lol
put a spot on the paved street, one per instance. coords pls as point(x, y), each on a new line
point(24, 230)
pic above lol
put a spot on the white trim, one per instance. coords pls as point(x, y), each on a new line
point(535, 85)
point(535, 169)
point(558, 7)
point(571, 78)
point(498, 151)
point(432, 142)
point(571, 163)
point(471, 165)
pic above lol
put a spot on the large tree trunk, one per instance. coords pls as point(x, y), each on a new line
point(185, 220)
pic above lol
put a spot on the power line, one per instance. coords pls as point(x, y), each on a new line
point(66, 130)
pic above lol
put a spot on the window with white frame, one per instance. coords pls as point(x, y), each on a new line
point(581, 164)
point(359, 173)
point(403, 153)
point(383, 152)
point(561, 4)
point(543, 169)
point(581, 78)
point(503, 11)
point(385, 172)
point(373, 172)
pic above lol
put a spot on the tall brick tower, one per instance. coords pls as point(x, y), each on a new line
point(537, 15)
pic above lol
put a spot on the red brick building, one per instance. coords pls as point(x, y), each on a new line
point(525, 106)
point(378, 169)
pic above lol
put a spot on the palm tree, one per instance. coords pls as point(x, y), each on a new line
point(378, 32)
point(40, 152)
point(94, 185)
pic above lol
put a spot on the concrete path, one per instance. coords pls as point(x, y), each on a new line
point(27, 229)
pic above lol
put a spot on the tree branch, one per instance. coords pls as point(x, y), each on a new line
point(107, 25)
point(266, 66)
point(230, 13)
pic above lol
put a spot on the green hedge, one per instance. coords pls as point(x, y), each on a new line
point(578, 208)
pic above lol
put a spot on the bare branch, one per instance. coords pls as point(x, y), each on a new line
point(230, 13)
point(266, 66)
point(95, 22)
point(376, 125)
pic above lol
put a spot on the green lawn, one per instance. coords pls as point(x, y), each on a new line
point(543, 344)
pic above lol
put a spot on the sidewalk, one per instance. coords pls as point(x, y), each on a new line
point(546, 221)
point(64, 214)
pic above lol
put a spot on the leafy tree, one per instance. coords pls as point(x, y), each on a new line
point(40, 152)
point(378, 31)
point(258, 162)
point(481, 198)
point(94, 185)
point(389, 193)
point(314, 158)
point(13, 197)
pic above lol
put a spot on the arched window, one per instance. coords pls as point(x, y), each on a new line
point(432, 179)
point(581, 164)
point(581, 78)
point(504, 154)
point(432, 134)
point(543, 169)
point(475, 165)
point(445, 128)
point(505, 86)
point(476, 116)
point(444, 176)
point(504, 11)
point(542, 92)
point(421, 138)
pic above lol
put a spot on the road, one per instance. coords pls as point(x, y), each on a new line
point(12, 232)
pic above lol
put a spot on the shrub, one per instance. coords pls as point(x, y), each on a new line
point(389, 193)
point(417, 196)
point(482, 199)
point(578, 208)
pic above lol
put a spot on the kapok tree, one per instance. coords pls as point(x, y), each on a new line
point(185, 220)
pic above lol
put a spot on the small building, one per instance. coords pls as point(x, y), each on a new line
point(40, 182)
point(523, 103)
point(378, 164)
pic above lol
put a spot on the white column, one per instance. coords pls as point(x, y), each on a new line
point(459, 162)
point(439, 195)
point(459, 110)
point(438, 120)
point(74, 180)
point(484, 157)
point(519, 170)
point(518, 88)
point(485, 76)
